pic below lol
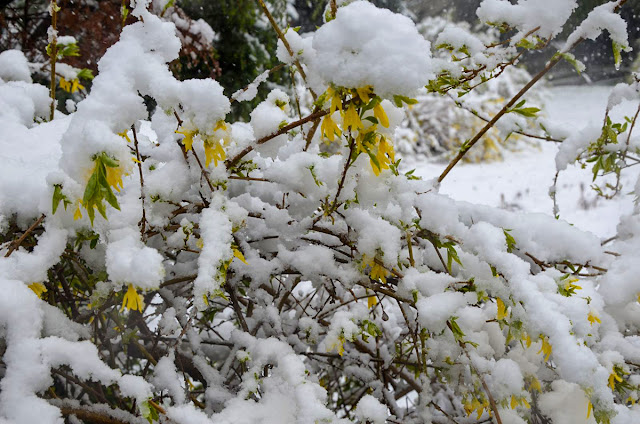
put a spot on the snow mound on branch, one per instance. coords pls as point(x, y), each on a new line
point(365, 45)
point(14, 66)
point(527, 15)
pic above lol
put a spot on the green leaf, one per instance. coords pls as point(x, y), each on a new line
point(86, 74)
point(529, 112)
point(511, 242)
point(578, 66)
point(617, 56)
point(57, 197)
point(398, 100)
point(90, 190)
point(109, 161)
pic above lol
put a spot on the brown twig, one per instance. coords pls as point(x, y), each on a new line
point(319, 114)
point(18, 242)
point(85, 414)
point(282, 38)
point(53, 55)
point(143, 221)
point(237, 309)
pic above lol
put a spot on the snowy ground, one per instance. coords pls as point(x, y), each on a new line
point(522, 181)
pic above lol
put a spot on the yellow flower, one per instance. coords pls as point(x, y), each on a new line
point(65, 85)
point(613, 377)
point(384, 156)
point(371, 300)
point(362, 135)
point(515, 401)
point(70, 86)
point(38, 288)
point(336, 101)
point(351, 119)
point(378, 272)
point(593, 318)
point(213, 150)
point(339, 346)
point(546, 348)
point(124, 134)
point(238, 254)
point(477, 406)
point(77, 214)
point(535, 385)
point(527, 339)
point(589, 408)
point(570, 287)
point(132, 300)
point(502, 310)
point(114, 177)
point(329, 129)
point(220, 125)
point(187, 141)
point(381, 115)
point(76, 85)
point(363, 93)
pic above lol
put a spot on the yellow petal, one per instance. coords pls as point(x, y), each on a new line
point(238, 254)
point(37, 288)
point(502, 310)
point(363, 93)
point(187, 141)
point(381, 115)
point(352, 119)
point(132, 300)
point(77, 215)
point(372, 301)
point(220, 125)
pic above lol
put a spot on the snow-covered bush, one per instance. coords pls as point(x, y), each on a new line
point(171, 266)
point(438, 125)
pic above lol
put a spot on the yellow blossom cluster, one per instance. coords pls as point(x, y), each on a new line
point(70, 86)
point(378, 272)
point(213, 149)
point(368, 140)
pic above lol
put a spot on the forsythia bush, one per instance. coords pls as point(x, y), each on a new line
point(162, 264)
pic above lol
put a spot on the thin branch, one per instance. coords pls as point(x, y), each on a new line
point(234, 161)
point(53, 56)
point(282, 38)
point(18, 242)
point(143, 221)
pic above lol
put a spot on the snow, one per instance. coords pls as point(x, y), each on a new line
point(601, 18)
point(369, 409)
point(130, 261)
point(14, 66)
point(364, 46)
point(521, 181)
point(527, 15)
